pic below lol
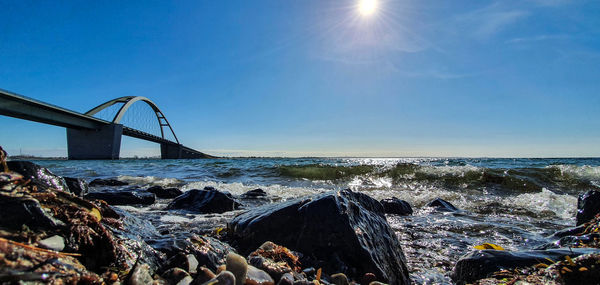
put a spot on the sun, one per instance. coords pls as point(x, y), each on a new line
point(367, 7)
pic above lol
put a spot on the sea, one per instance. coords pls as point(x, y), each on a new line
point(516, 203)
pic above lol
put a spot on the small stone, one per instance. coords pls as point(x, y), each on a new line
point(256, 276)
point(221, 268)
point(339, 279)
point(368, 278)
point(224, 278)
point(176, 276)
point(55, 242)
point(237, 265)
point(286, 279)
point(140, 275)
point(377, 283)
point(204, 274)
point(193, 263)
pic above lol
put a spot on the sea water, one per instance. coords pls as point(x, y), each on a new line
point(515, 203)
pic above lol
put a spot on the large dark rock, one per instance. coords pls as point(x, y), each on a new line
point(481, 263)
point(164, 193)
point(40, 176)
point(396, 206)
point(254, 194)
point(208, 200)
point(123, 197)
point(341, 231)
point(107, 182)
point(77, 186)
point(442, 205)
point(588, 206)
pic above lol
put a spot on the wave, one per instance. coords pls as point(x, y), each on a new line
point(562, 178)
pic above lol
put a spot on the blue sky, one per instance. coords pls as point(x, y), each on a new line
point(315, 77)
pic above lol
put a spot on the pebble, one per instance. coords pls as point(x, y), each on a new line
point(177, 275)
point(224, 278)
point(286, 279)
point(193, 263)
point(339, 279)
point(204, 274)
point(377, 283)
point(55, 242)
point(368, 278)
point(256, 276)
point(141, 275)
point(237, 265)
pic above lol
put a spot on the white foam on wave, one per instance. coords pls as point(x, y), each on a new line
point(582, 172)
point(149, 180)
point(238, 188)
point(563, 206)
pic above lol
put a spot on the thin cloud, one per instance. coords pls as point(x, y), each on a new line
point(538, 38)
point(490, 20)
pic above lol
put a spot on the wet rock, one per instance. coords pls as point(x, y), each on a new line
point(256, 276)
point(19, 211)
point(107, 182)
point(396, 206)
point(368, 278)
point(123, 197)
point(224, 278)
point(140, 275)
point(40, 176)
point(77, 186)
point(569, 232)
point(164, 193)
point(442, 205)
point(209, 200)
point(253, 194)
point(339, 279)
point(588, 206)
point(353, 238)
point(177, 276)
point(286, 279)
point(208, 251)
point(237, 265)
point(55, 242)
point(481, 263)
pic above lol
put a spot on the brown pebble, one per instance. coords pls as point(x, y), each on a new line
point(368, 278)
point(221, 268)
point(204, 274)
point(339, 279)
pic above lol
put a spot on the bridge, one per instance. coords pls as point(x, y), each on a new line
point(89, 137)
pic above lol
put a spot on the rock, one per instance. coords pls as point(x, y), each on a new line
point(19, 211)
point(276, 260)
point(442, 205)
point(40, 176)
point(208, 251)
point(204, 274)
point(368, 278)
point(339, 279)
point(177, 275)
point(377, 283)
point(481, 263)
point(77, 186)
point(107, 182)
point(140, 275)
point(346, 230)
point(256, 276)
point(286, 279)
point(164, 193)
point(256, 193)
point(55, 242)
point(209, 200)
point(396, 206)
point(187, 262)
point(588, 206)
point(123, 197)
point(224, 278)
point(237, 265)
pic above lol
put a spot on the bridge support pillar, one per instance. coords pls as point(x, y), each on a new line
point(170, 151)
point(104, 143)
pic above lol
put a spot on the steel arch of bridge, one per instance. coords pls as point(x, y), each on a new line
point(128, 101)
